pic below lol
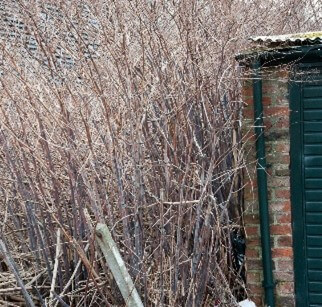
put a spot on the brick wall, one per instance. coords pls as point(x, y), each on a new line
point(276, 121)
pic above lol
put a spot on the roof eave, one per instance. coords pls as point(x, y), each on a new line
point(281, 55)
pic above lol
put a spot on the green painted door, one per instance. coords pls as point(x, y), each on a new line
point(306, 182)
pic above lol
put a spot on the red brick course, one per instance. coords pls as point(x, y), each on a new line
point(276, 121)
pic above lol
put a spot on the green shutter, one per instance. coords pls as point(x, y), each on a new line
point(306, 182)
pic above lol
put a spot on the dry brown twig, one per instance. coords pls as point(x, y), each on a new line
point(103, 105)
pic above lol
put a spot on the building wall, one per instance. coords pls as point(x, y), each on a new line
point(276, 121)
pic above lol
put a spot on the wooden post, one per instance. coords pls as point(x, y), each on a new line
point(117, 266)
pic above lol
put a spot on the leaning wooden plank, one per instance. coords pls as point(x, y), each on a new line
point(53, 282)
point(11, 264)
point(117, 266)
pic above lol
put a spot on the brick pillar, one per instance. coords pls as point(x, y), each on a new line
point(276, 121)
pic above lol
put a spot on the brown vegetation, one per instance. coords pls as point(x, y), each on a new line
point(128, 113)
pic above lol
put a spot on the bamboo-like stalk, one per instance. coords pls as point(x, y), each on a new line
point(11, 264)
point(130, 111)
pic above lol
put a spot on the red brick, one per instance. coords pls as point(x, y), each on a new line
point(285, 301)
point(286, 287)
point(250, 139)
point(283, 219)
point(250, 195)
point(284, 265)
point(282, 193)
point(282, 172)
point(282, 101)
point(267, 124)
point(270, 194)
point(281, 229)
point(282, 252)
point(283, 206)
point(273, 111)
point(284, 241)
point(255, 289)
point(247, 90)
point(283, 159)
point(249, 189)
point(282, 123)
point(251, 230)
point(268, 146)
point(267, 88)
point(282, 147)
point(248, 101)
point(278, 158)
point(251, 219)
point(252, 253)
point(251, 184)
point(284, 276)
point(248, 113)
point(253, 277)
point(267, 100)
point(254, 264)
point(253, 242)
point(278, 181)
